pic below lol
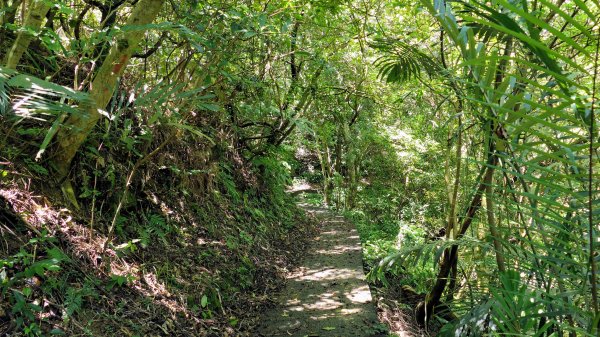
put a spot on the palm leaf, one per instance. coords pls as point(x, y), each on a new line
point(402, 61)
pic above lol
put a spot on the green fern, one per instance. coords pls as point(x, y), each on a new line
point(402, 61)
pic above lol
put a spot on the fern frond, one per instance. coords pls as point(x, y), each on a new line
point(402, 62)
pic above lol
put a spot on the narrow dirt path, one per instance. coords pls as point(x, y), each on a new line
point(327, 295)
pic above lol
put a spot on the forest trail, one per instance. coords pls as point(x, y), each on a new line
point(327, 295)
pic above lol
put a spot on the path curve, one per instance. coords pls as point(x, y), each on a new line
point(328, 294)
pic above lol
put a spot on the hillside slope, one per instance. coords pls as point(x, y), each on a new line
point(179, 265)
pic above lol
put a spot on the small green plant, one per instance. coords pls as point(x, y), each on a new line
point(153, 226)
point(206, 312)
point(23, 271)
point(313, 199)
point(25, 312)
point(127, 247)
point(75, 297)
point(208, 303)
point(119, 281)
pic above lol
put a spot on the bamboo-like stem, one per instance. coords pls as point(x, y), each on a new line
point(489, 203)
point(451, 228)
point(449, 257)
point(590, 182)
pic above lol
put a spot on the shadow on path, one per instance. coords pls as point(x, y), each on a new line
point(327, 295)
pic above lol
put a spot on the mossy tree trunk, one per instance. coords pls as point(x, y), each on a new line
point(352, 181)
point(77, 127)
point(33, 20)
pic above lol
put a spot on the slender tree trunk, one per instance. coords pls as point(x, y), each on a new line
point(451, 230)
point(426, 309)
point(489, 203)
point(352, 182)
point(338, 151)
point(330, 172)
point(451, 224)
point(350, 175)
point(77, 127)
point(324, 174)
point(33, 20)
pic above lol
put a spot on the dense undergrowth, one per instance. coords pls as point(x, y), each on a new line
point(192, 242)
point(178, 265)
point(170, 229)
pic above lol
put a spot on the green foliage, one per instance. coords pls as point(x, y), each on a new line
point(38, 99)
point(221, 97)
point(119, 281)
point(275, 171)
point(21, 273)
point(503, 56)
point(313, 199)
point(228, 183)
point(402, 62)
point(155, 226)
point(75, 298)
point(26, 99)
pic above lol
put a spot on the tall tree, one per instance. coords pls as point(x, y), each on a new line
point(77, 127)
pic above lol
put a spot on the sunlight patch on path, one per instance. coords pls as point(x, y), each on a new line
point(327, 295)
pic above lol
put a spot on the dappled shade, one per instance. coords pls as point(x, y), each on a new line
point(328, 294)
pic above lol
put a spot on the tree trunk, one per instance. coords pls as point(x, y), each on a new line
point(325, 162)
point(33, 20)
point(351, 168)
point(489, 203)
point(339, 141)
point(10, 12)
point(77, 127)
point(451, 226)
point(450, 256)
point(352, 182)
